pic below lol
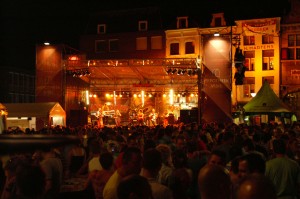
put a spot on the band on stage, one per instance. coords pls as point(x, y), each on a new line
point(105, 116)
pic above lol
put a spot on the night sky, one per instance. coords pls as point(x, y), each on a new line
point(27, 23)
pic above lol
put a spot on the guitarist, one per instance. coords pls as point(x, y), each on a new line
point(153, 117)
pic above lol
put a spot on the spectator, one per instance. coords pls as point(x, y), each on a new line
point(53, 169)
point(167, 165)
point(152, 163)
point(256, 186)
point(97, 179)
point(131, 164)
point(217, 157)
point(214, 182)
point(283, 172)
point(134, 186)
point(30, 181)
point(251, 163)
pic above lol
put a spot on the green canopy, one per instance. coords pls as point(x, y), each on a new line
point(266, 101)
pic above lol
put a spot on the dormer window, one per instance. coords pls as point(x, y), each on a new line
point(101, 29)
point(143, 25)
point(218, 20)
point(182, 22)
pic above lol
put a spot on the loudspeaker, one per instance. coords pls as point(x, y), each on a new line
point(189, 116)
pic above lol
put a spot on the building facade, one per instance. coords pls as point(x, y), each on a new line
point(126, 52)
point(18, 85)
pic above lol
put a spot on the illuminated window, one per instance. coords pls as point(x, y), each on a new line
point(189, 47)
point(141, 43)
point(293, 47)
point(156, 42)
point(143, 25)
point(249, 40)
point(249, 86)
point(101, 29)
point(250, 60)
point(267, 39)
point(113, 45)
point(268, 59)
point(100, 46)
point(174, 49)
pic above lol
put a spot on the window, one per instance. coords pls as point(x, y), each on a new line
point(249, 40)
point(156, 42)
point(101, 29)
point(293, 51)
point(174, 49)
point(141, 43)
point(250, 60)
point(182, 22)
point(249, 86)
point(268, 59)
point(218, 21)
point(100, 46)
point(189, 47)
point(113, 45)
point(267, 39)
point(143, 25)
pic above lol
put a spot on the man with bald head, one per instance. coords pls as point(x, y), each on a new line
point(214, 182)
point(256, 186)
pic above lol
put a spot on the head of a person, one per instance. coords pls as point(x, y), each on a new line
point(152, 161)
point(279, 146)
point(251, 163)
point(180, 142)
point(248, 145)
point(134, 187)
point(106, 160)
point(207, 178)
point(180, 159)
point(132, 160)
point(166, 153)
point(217, 157)
point(30, 181)
point(256, 186)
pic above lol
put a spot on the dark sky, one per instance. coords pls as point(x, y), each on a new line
point(27, 23)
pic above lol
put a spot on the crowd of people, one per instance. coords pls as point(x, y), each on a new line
point(184, 161)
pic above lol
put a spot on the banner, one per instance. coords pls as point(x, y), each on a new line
point(266, 27)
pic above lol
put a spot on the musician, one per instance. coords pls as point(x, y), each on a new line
point(118, 117)
point(140, 117)
point(153, 117)
point(105, 108)
point(100, 118)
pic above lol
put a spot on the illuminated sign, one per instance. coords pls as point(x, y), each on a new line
point(259, 47)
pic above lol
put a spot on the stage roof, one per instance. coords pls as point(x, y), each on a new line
point(156, 74)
